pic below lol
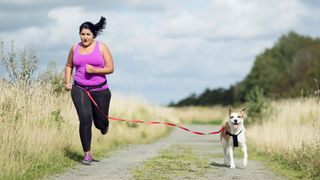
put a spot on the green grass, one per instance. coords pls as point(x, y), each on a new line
point(42, 166)
point(177, 161)
point(238, 154)
point(59, 162)
point(300, 164)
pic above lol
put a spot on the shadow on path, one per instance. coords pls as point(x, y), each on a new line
point(73, 155)
point(216, 164)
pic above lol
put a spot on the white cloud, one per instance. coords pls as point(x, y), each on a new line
point(158, 45)
point(236, 19)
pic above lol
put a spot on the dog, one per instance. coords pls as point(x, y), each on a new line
point(232, 136)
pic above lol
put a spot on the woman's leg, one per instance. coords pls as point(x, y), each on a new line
point(84, 110)
point(102, 98)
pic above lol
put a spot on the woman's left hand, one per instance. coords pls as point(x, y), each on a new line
point(90, 69)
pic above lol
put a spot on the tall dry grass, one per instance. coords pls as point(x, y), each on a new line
point(292, 132)
point(39, 130)
point(294, 122)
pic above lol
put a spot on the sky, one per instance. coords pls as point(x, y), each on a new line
point(163, 50)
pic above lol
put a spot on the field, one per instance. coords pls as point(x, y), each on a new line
point(39, 130)
point(290, 136)
point(286, 137)
point(214, 115)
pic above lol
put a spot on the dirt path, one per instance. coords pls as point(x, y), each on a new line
point(119, 164)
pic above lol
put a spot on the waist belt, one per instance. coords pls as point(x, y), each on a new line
point(88, 88)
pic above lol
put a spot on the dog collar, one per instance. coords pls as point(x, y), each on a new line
point(235, 138)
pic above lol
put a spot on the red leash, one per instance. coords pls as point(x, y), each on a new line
point(151, 122)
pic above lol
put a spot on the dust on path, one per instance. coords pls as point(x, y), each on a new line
point(119, 164)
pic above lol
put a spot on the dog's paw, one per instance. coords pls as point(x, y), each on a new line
point(232, 166)
point(245, 162)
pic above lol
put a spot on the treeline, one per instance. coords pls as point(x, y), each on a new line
point(291, 68)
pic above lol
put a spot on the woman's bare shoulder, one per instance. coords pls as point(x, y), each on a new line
point(103, 46)
point(73, 47)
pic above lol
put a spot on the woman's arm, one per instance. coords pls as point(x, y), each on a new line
point(108, 68)
point(68, 71)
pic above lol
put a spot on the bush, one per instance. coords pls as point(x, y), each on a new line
point(257, 106)
point(54, 77)
point(19, 71)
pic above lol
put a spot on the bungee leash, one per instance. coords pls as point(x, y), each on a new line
point(87, 90)
point(150, 122)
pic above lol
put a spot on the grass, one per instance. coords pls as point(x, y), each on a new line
point(177, 161)
point(288, 138)
point(39, 130)
point(208, 122)
point(214, 115)
point(39, 134)
point(281, 165)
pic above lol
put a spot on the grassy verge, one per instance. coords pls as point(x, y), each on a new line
point(299, 164)
point(178, 161)
point(287, 139)
point(46, 161)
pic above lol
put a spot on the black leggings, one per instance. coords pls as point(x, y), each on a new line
point(88, 112)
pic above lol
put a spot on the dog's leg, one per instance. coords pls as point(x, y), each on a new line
point(224, 149)
point(230, 151)
point(226, 158)
point(245, 155)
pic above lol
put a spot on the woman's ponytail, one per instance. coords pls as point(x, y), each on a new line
point(99, 26)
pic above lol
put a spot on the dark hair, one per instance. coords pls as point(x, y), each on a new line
point(96, 29)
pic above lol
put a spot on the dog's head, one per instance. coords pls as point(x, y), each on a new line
point(236, 118)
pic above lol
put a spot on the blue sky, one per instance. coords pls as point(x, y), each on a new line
point(163, 50)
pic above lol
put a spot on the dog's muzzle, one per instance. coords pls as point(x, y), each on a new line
point(235, 124)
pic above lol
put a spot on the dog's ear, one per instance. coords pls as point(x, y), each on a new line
point(230, 110)
point(243, 112)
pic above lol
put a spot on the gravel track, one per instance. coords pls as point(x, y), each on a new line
point(119, 164)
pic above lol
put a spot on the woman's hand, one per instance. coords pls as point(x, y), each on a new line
point(68, 86)
point(90, 69)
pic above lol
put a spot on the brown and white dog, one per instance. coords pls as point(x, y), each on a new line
point(233, 136)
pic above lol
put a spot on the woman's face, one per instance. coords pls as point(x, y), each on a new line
point(86, 37)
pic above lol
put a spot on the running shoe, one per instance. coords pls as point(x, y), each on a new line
point(87, 160)
point(104, 131)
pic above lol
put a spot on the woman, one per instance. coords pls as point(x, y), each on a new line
point(92, 61)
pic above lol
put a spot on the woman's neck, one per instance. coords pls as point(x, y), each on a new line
point(86, 46)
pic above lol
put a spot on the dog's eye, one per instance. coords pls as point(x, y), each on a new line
point(239, 116)
point(231, 117)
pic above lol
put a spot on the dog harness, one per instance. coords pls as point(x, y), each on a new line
point(234, 138)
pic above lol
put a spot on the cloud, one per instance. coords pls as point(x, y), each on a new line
point(235, 19)
point(172, 48)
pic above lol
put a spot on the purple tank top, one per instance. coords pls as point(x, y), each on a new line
point(93, 58)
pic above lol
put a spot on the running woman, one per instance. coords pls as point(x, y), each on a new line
point(92, 61)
